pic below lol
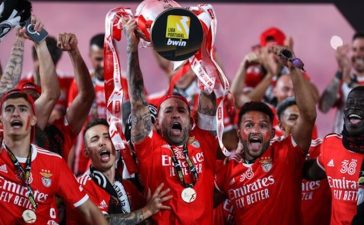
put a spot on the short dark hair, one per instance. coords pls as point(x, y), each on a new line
point(95, 122)
point(256, 106)
point(98, 40)
point(358, 35)
point(53, 49)
point(16, 93)
point(282, 106)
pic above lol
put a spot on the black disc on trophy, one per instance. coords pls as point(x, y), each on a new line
point(177, 34)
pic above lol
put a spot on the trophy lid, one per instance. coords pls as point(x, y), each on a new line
point(176, 34)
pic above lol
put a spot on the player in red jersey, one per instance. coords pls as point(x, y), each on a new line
point(176, 153)
point(115, 197)
point(316, 195)
point(265, 185)
point(60, 136)
point(340, 160)
point(30, 177)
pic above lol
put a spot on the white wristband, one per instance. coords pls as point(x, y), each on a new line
point(206, 122)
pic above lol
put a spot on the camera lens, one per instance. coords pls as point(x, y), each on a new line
point(286, 53)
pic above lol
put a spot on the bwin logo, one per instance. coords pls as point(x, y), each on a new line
point(176, 43)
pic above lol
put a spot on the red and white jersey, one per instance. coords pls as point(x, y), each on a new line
point(49, 176)
point(98, 109)
point(155, 166)
point(316, 195)
point(342, 168)
point(101, 197)
point(267, 191)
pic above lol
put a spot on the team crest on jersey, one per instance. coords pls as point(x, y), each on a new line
point(46, 178)
point(266, 163)
point(192, 141)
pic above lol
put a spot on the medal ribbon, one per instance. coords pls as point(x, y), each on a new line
point(24, 174)
point(178, 168)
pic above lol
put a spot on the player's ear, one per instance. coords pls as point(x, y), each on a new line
point(273, 133)
point(157, 124)
point(87, 152)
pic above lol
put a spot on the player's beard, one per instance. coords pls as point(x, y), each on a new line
point(173, 140)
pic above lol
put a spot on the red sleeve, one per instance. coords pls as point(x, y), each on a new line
point(287, 148)
point(68, 135)
point(146, 146)
point(222, 177)
point(72, 93)
point(321, 159)
point(68, 188)
point(212, 145)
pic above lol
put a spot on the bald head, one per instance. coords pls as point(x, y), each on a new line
point(283, 88)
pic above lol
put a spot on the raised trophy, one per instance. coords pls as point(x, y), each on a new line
point(185, 36)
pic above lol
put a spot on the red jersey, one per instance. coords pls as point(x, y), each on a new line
point(316, 195)
point(101, 197)
point(267, 191)
point(223, 213)
point(69, 137)
point(342, 168)
point(98, 109)
point(57, 136)
point(155, 166)
point(49, 176)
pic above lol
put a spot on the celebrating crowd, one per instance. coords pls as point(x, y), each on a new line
point(60, 162)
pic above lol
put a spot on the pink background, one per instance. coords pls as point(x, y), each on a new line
point(239, 27)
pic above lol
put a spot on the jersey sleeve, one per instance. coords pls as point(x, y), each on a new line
point(286, 148)
point(222, 177)
point(321, 159)
point(144, 148)
point(212, 145)
point(69, 189)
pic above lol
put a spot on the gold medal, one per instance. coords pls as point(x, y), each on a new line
point(188, 195)
point(29, 216)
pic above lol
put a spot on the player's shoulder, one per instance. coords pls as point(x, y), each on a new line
point(316, 142)
point(280, 140)
point(333, 136)
point(332, 139)
point(46, 153)
point(84, 178)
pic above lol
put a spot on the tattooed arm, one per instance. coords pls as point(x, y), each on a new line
point(153, 206)
point(141, 119)
point(14, 67)
point(330, 95)
point(207, 111)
